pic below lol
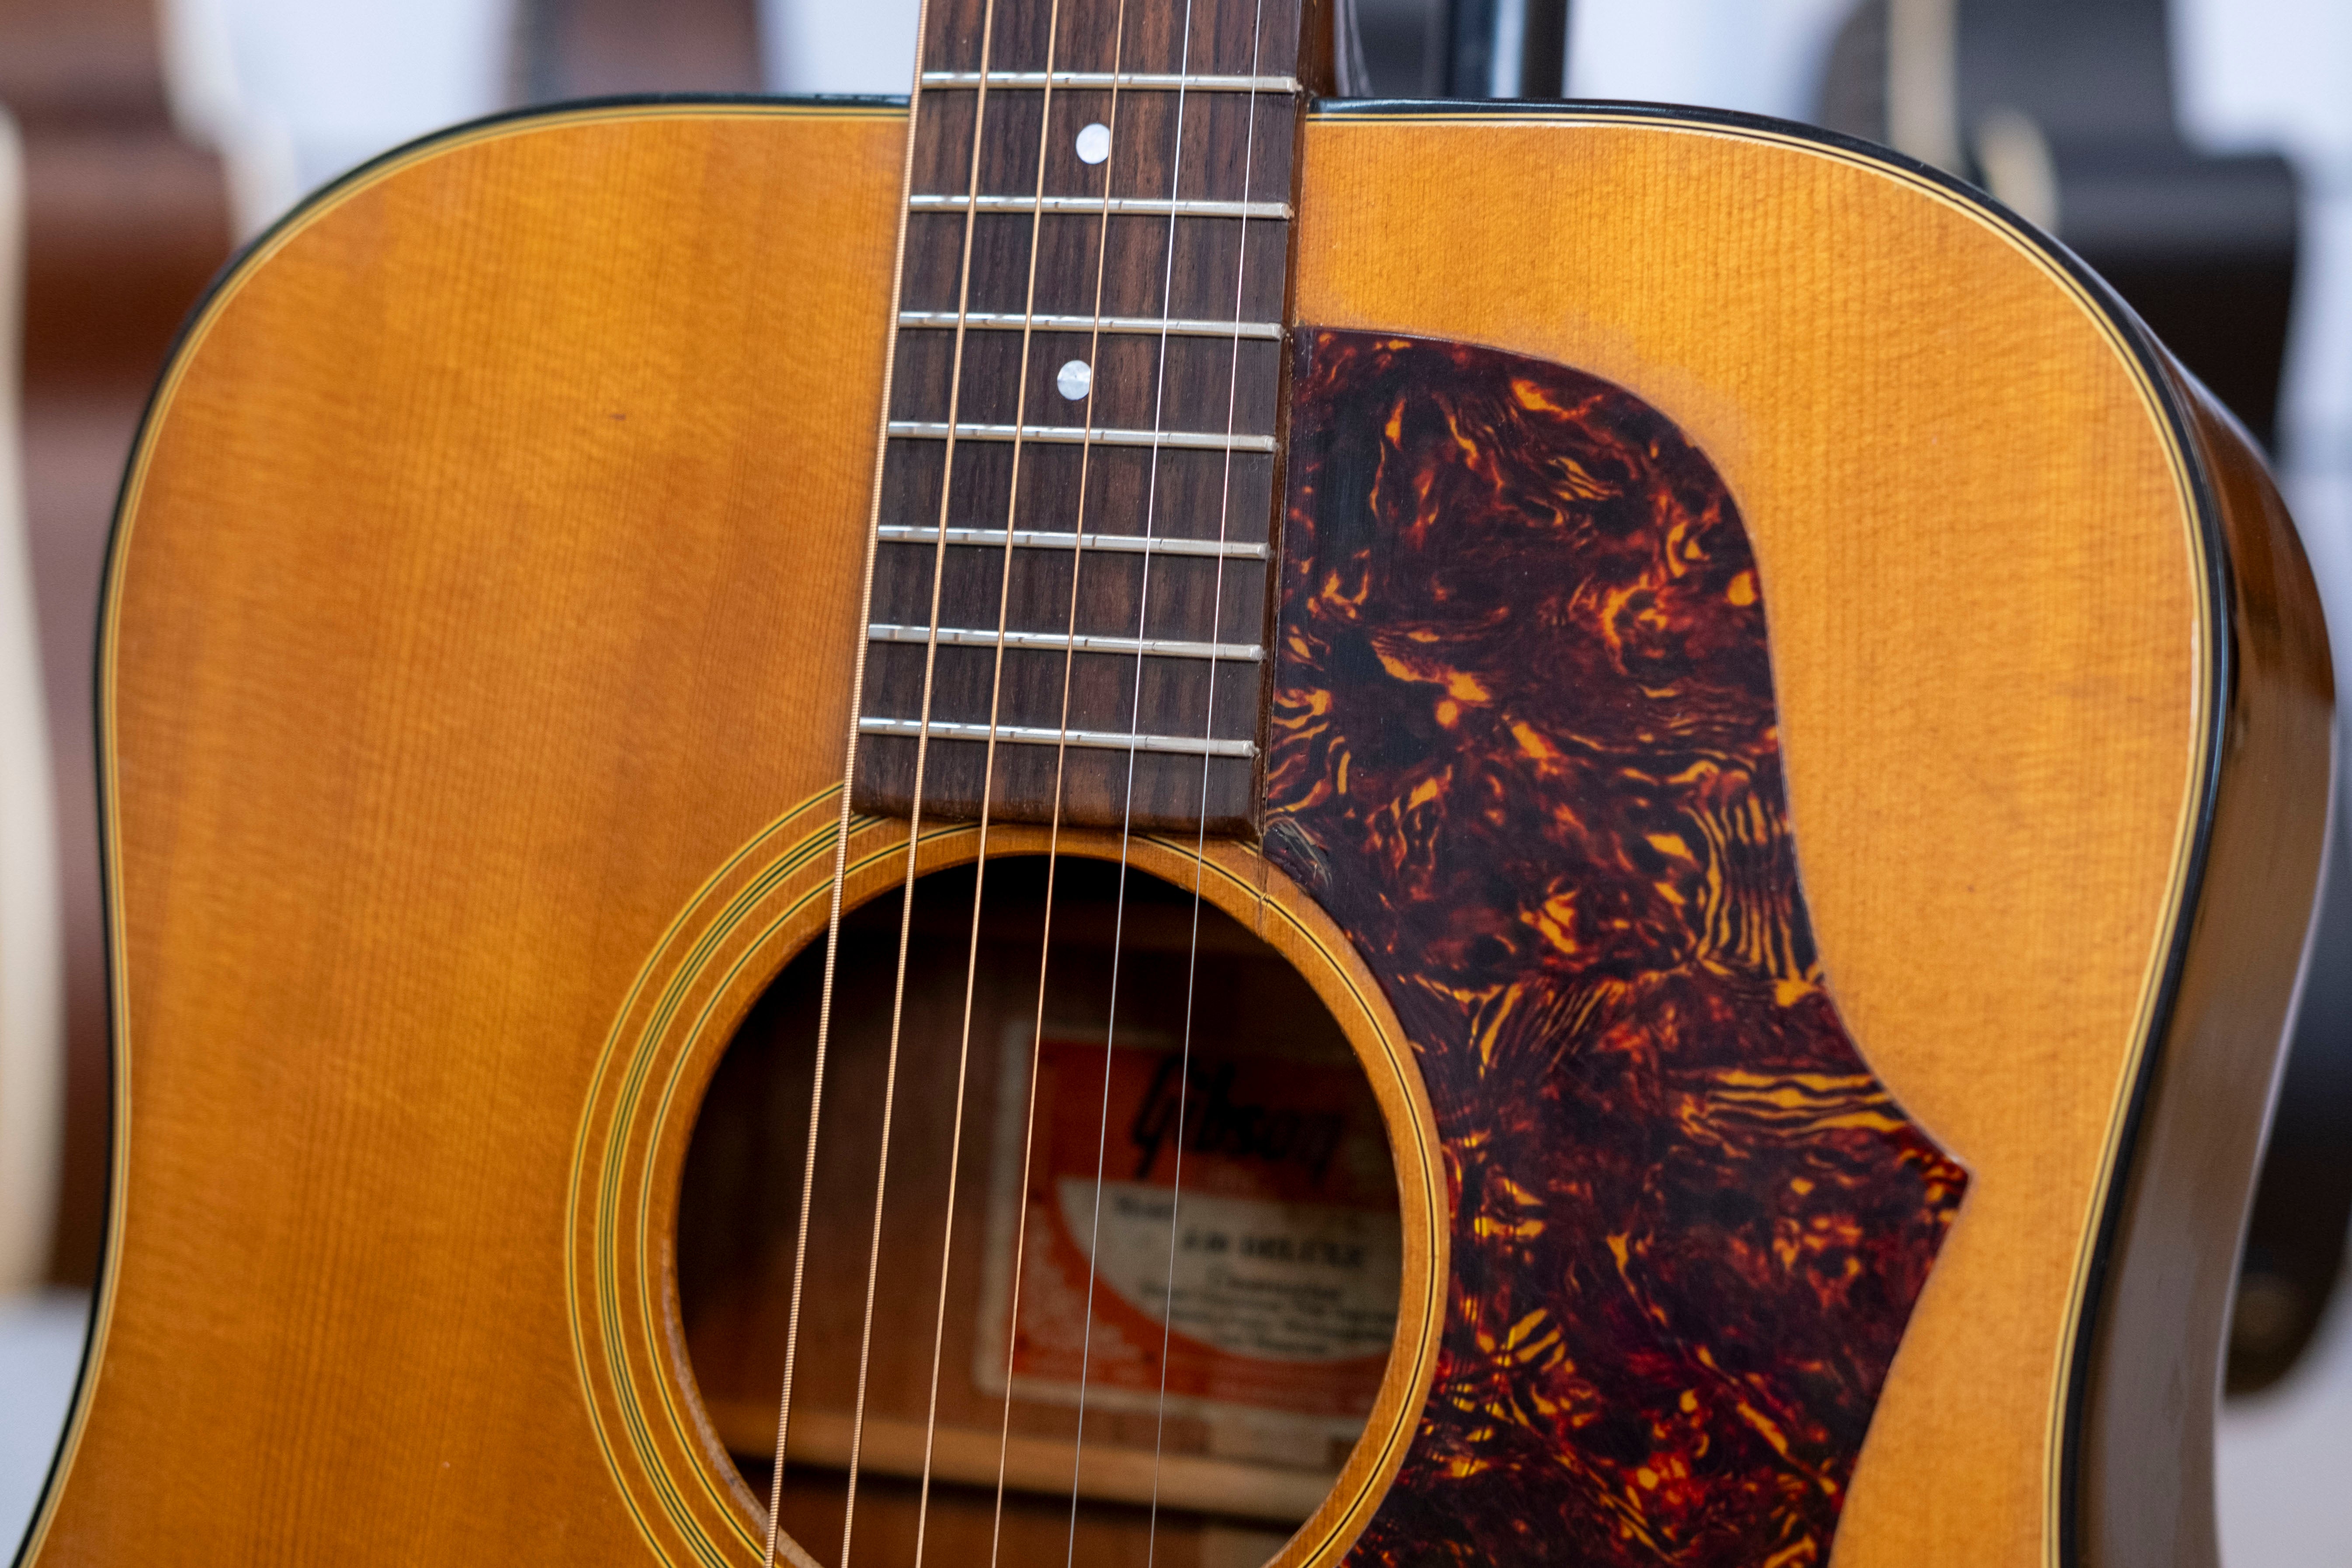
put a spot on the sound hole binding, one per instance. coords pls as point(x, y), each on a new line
point(759, 911)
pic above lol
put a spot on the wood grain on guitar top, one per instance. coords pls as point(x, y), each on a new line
point(489, 575)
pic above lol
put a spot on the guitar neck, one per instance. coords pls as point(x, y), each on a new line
point(1076, 517)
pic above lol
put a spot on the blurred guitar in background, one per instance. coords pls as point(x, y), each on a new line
point(125, 220)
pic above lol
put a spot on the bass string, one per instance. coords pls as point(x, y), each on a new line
point(1200, 839)
point(988, 773)
point(840, 877)
point(914, 826)
point(1127, 807)
point(1053, 829)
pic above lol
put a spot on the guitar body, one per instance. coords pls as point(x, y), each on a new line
point(478, 650)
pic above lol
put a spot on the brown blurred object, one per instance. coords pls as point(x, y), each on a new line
point(125, 223)
point(593, 49)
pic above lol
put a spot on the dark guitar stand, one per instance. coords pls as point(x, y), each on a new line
point(1499, 49)
point(1457, 49)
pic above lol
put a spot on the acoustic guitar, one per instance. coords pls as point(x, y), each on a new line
point(1127, 817)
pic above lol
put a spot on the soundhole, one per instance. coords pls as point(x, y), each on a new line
point(1260, 1156)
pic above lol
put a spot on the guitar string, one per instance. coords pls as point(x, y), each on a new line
point(922, 757)
point(841, 835)
point(1053, 830)
point(1200, 838)
point(907, 883)
point(1127, 806)
point(988, 771)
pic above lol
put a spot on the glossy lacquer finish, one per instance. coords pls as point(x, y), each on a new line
point(489, 577)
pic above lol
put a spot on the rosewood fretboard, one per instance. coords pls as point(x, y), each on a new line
point(1076, 502)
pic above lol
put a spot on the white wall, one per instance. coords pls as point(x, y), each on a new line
point(297, 91)
point(829, 45)
point(1761, 56)
point(301, 91)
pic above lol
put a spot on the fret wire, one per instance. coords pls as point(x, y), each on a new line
point(1082, 642)
point(1117, 207)
point(1156, 196)
point(1027, 735)
point(1075, 435)
point(1155, 81)
point(1046, 539)
point(1155, 326)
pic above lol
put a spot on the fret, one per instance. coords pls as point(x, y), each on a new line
point(1063, 642)
point(1208, 37)
point(1147, 268)
point(1140, 326)
point(1074, 435)
point(1088, 371)
point(1029, 735)
point(1199, 147)
point(1134, 382)
point(1117, 207)
point(1149, 82)
point(1196, 496)
point(1043, 539)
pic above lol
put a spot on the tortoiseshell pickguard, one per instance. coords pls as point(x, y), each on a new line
point(1524, 749)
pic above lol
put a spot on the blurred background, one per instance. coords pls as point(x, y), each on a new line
point(2198, 154)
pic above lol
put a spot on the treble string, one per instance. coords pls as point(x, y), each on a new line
point(988, 769)
point(1134, 730)
point(841, 828)
point(1200, 839)
point(923, 755)
point(1053, 829)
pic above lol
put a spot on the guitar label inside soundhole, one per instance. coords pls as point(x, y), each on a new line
point(1525, 751)
point(1261, 1174)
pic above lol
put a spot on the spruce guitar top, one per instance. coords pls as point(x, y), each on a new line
point(1128, 817)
